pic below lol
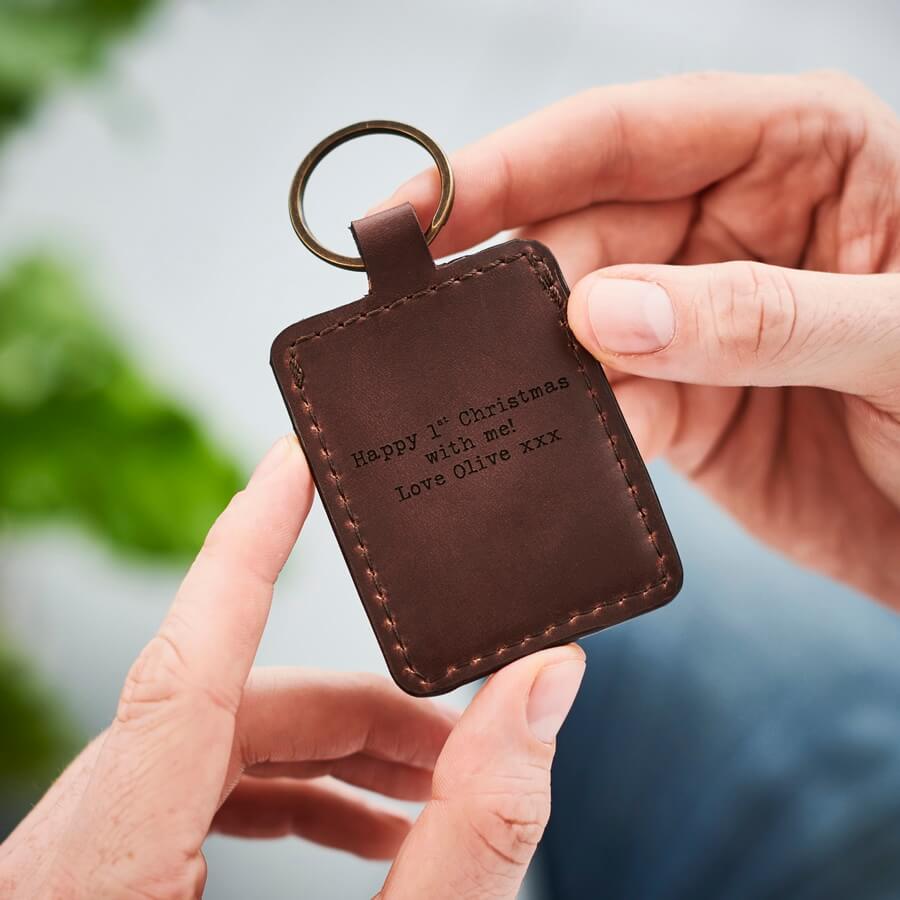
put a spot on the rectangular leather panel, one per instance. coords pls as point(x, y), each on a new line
point(483, 486)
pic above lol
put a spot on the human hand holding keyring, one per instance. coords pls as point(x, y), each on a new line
point(734, 243)
point(199, 744)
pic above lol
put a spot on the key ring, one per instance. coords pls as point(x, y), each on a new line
point(324, 147)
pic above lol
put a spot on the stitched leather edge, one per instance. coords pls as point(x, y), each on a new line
point(552, 290)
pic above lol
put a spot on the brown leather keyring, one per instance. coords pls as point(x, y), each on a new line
point(324, 147)
point(477, 472)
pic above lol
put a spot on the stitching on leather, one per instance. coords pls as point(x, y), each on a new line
point(502, 261)
point(548, 282)
point(550, 287)
point(379, 590)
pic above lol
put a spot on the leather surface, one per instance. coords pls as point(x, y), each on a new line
point(480, 479)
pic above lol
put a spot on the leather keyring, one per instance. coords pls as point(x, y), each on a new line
point(483, 486)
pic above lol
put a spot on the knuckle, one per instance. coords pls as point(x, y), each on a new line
point(753, 312)
point(822, 131)
point(507, 820)
point(159, 679)
point(822, 111)
point(842, 111)
point(156, 677)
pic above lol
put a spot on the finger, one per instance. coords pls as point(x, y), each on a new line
point(299, 715)
point(654, 140)
point(491, 796)
point(166, 754)
point(217, 619)
point(206, 644)
point(196, 667)
point(652, 410)
point(387, 778)
point(318, 812)
point(683, 422)
point(611, 233)
point(742, 323)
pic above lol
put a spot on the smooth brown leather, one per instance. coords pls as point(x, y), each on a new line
point(557, 540)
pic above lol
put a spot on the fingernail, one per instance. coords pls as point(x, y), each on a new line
point(552, 696)
point(278, 453)
point(630, 316)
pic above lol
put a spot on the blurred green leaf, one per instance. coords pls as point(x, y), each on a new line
point(85, 437)
point(45, 41)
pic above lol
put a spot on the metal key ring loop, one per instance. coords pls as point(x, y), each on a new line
point(324, 147)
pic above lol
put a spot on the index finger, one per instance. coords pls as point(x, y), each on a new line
point(167, 751)
point(654, 140)
point(215, 623)
point(221, 608)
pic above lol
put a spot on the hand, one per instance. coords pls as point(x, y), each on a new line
point(773, 385)
point(200, 742)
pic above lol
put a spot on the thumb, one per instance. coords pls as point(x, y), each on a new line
point(743, 323)
point(491, 792)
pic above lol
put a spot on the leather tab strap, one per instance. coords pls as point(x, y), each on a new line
point(393, 248)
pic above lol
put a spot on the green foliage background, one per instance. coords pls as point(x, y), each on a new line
point(84, 437)
point(44, 41)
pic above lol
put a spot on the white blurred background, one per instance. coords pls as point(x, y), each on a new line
point(166, 177)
